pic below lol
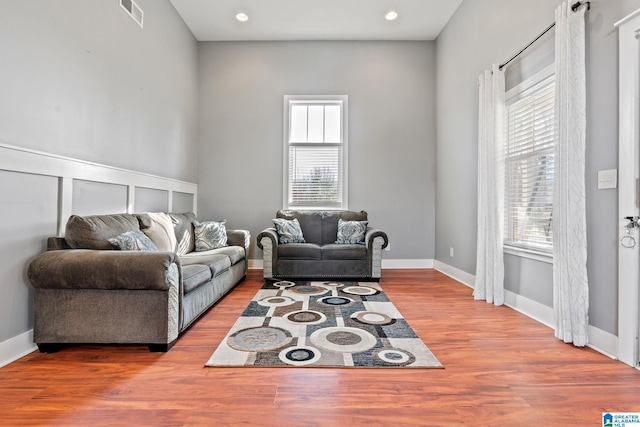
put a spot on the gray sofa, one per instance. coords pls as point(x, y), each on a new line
point(86, 292)
point(320, 257)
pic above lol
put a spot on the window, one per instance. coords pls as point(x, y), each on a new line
point(315, 139)
point(529, 163)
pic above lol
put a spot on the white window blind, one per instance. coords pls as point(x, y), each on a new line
point(529, 167)
point(315, 153)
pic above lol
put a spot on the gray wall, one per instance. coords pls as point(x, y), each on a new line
point(391, 89)
point(29, 212)
point(490, 31)
point(80, 78)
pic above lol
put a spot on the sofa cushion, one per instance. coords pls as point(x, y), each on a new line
point(308, 251)
point(321, 227)
point(235, 254)
point(133, 241)
point(289, 230)
point(341, 251)
point(351, 232)
point(159, 228)
point(183, 228)
point(219, 264)
point(194, 276)
point(215, 260)
point(330, 223)
point(209, 235)
point(94, 232)
point(310, 223)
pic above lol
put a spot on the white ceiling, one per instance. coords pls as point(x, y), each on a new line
point(214, 20)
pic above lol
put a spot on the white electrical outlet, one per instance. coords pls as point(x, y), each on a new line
point(608, 179)
point(451, 252)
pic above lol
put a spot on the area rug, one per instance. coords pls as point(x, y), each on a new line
point(322, 324)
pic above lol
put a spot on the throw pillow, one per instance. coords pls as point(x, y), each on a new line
point(183, 229)
point(159, 228)
point(133, 241)
point(289, 230)
point(94, 231)
point(351, 232)
point(210, 235)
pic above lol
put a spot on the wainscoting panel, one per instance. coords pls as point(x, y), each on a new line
point(151, 200)
point(29, 212)
point(183, 202)
point(38, 192)
point(94, 198)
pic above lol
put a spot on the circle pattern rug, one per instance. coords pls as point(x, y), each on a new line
point(322, 324)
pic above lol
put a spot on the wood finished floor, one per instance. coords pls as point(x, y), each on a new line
point(501, 369)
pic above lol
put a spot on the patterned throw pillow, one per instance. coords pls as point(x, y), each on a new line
point(133, 241)
point(351, 232)
point(289, 230)
point(210, 235)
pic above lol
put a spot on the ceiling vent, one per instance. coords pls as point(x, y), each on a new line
point(133, 10)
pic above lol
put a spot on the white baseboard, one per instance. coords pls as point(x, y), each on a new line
point(599, 340)
point(455, 273)
point(530, 308)
point(603, 342)
point(16, 347)
point(255, 264)
point(407, 263)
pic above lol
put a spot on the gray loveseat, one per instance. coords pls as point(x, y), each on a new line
point(320, 257)
point(87, 292)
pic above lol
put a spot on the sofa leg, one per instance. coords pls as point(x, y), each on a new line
point(49, 347)
point(161, 348)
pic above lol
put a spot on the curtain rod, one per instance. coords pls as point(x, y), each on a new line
point(574, 7)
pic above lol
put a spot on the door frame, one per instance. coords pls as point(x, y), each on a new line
point(629, 180)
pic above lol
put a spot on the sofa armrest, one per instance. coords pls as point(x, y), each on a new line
point(105, 269)
point(57, 243)
point(375, 241)
point(239, 238)
point(268, 241)
point(371, 234)
point(269, 233)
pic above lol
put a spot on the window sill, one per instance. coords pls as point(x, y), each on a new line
point(314, 208)
point(529, 253)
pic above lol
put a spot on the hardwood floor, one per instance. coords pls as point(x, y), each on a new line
point(501, 368)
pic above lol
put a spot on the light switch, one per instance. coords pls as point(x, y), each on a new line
point(608, 179)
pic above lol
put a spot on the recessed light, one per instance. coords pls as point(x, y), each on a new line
point(391, 15)
point(242, 17)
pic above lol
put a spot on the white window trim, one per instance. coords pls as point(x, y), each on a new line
point(512, 95)
point(521, 89)
point(528, 253)
point(345, 151)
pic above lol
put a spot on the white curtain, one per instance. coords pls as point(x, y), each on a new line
point(489, 262)
point(570, 285)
